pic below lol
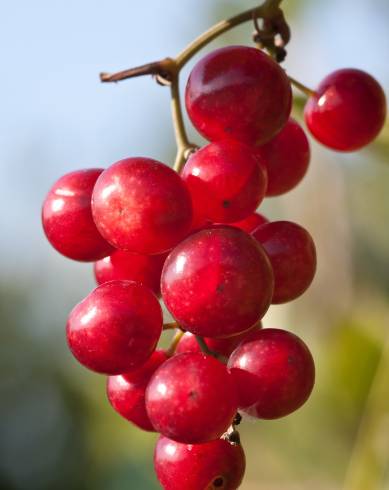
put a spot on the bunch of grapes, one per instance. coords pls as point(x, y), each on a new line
point(195, 241)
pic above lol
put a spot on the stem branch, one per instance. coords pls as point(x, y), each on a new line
point(268, 9)
point(184, 146)
point(206, 350)
point(164, 68)
point(170, 326)
point(167, 70)
point(173, 345)
point(303, 88)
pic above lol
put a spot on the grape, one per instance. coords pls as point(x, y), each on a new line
point(251, 223)
point(67, 217)
point(126, 392)
point(122, 265)
point(191, 398)
point(238, 92)
point(292, 255)
point(142, 206)
point(218, 282)
point(224, 347)
point(286, 158)
point(115, 328)
point(225, 181)
point(348, 111)
point(274, 373)
point(213, 465)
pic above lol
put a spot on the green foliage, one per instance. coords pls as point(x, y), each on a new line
point(353, 356)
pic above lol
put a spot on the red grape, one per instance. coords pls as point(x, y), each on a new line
point(67, 217)
point(292, 255)
point(251, 223)
point(224, 347)
point(348, 111)
point(122, 265)
point(142, 206)
point(213, 465)
point(191, 398)
point(225, 181)
point(126, 392)
point(218, 282)
point(286, 158)
point(115, 328)
point(238, 92)
point(274, 373)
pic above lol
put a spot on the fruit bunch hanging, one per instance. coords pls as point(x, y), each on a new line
point(191, 237)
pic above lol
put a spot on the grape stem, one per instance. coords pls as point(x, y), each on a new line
point(206, 350)
point(170, 326)
point(173, 345)
point(303, 88)
point(184, 146)
point(167, 70)
point(232, 435)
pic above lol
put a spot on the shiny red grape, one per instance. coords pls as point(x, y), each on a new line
point(218, 282)
point(126, 392)
point(274, 373)
point(292, 254)
point(251, 223)
point(67, 217)
point(115, 328)
point(225, 181)
point(286, 158)
point(240, 93)
point(122, 265)
point(348, 111)
point(224, 347)
point(142, 206)
point(191, 398)
point(213, 465)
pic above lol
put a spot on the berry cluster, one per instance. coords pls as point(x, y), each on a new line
point(196, 240)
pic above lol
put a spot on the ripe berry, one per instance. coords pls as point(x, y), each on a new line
point(122, 265)
point(348, 111)
point(67, 217)
point(224, 347)
point(218, 282)
point(274, 373)
point(126, 392)
point(292, 254)
point(142, 206)
point(238, 93)
point(286, 158)
point(225, 181)
point(251, 223)
point(215, 465)
point(191, 398)
point(115, 328)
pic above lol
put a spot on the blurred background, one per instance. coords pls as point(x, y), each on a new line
point(57, 430)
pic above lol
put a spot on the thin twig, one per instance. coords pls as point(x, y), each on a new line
point(164, 68)
point(167, 71)
point(206, 350)
point(303, 88)
point(173, 345)
point(268, 9)
point(170, 326)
